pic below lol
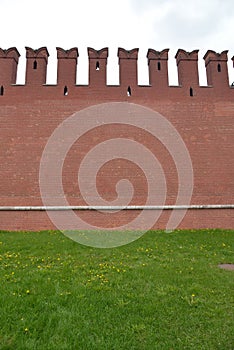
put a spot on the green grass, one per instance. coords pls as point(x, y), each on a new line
point(163, 292)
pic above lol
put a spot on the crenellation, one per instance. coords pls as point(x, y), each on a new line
point(215, 56)
point(36, 67)
point(97, 54)
point(66, 68)
point(67, 54)
point(158, 68)
point(12, 52)
point(157, 55)
point(216, 69)
point(97, 66)
point(183, 55)
point(8, 66)
point(187, 65)
point(128, 68)
point(187, 68)
point(128, 54)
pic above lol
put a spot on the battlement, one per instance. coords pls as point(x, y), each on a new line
point(187, 67)
point(8, 66)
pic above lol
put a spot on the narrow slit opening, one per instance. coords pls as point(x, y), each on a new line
point(129, 91)
point(65, 91)
point(97, 65)
point(35, 65)
point(191, 92)
point(1, 91)
point(219, 67)
point(159, 65)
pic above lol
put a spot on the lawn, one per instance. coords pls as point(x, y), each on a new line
point(164, 291)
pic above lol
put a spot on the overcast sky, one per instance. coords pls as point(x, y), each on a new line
point(157, 24)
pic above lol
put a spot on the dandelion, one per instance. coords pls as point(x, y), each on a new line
point(26, 330)
point(27, 291)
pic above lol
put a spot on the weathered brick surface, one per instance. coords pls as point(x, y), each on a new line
point(30, 113)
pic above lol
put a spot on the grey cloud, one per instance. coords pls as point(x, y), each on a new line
point(194, 28)
point(144, 5)
point(222, 7)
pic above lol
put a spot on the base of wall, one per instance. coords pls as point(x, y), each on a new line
point(194, 219)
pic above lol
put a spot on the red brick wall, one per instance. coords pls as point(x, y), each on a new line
point(30, 113)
